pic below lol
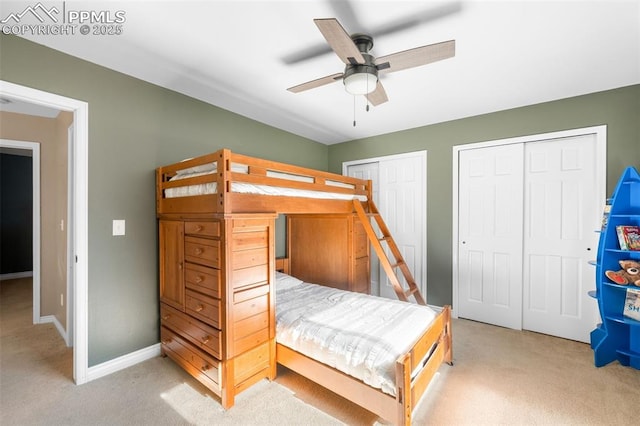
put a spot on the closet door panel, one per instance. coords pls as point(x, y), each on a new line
point(490, 232)
point(559, 241)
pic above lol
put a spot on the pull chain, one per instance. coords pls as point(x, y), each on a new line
point(366, 96)
point(354, 111)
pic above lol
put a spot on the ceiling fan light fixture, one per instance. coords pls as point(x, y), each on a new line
point(361, 83)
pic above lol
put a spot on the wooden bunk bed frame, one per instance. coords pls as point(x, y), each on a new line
point(226, 201)
point(414, 369)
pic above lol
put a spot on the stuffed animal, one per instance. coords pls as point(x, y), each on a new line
point(629, 274)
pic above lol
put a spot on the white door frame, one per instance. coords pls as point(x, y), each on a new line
point(80, 166)
point(71, 269)
point(423, 154)
point(601, 169)
point(34, 148)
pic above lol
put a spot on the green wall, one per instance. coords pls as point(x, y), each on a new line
point(619, 109)
point(135, 127)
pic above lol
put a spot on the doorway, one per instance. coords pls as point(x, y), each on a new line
point(79, 195)
point(399, 191)
point(525, 215)
point(31, 149)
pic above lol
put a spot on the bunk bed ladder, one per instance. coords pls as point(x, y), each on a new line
point(398, 261)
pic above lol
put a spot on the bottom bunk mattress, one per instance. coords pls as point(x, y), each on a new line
point(358, 334)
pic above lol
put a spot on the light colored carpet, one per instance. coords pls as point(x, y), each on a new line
point(500, 376)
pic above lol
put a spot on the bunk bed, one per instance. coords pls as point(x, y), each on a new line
point(218, 279)
point(227, 182)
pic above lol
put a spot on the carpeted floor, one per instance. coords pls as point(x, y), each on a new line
point(500, 376)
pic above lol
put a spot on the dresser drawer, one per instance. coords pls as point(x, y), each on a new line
point(205, 308)
point(250, 332)
point(201, 335)
point(189, 357)
point(251, 307)
point(203, 279)
point(207, 229)
point(202, 251)
point(251, 362)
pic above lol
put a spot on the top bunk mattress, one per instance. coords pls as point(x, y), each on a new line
point(358, 334)
point(249, 188)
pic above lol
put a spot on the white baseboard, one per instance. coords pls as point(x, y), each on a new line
point(14, 275)
point(52, 319)
point(122, 362)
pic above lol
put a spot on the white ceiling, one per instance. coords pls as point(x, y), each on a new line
point(231, 54)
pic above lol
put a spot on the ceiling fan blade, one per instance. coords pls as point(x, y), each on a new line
point(415, 19)
point(378, 96)
point(306, 54)
point(315, 83)
point(344, 11)
point(339, 40)
point(416, 57)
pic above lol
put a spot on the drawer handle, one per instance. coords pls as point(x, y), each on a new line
point(198, 228)
point(199, 250)
point(166, 317)
point(206, 367)
point(166, 341)
point(180, 265)
point(206, 339)
point(199, 279)
point(199, 308)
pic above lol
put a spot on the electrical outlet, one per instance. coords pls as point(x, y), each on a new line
point(118, 227)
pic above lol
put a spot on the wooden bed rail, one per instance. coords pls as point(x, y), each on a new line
point(231, 168)
point(319, 180)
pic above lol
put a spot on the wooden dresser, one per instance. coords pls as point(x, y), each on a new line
point(217, 305)
point(329, 249)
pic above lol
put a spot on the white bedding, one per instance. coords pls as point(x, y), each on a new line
point(248, 188)
point(358, 334)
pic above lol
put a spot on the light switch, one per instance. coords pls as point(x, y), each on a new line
point(118, 227)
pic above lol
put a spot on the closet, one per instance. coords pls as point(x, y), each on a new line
point(526, 210)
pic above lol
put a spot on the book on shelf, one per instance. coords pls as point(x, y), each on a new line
point(628, 237)
point(605, 216)
point(632, 304)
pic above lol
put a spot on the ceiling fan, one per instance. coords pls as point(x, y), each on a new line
point(362, 70)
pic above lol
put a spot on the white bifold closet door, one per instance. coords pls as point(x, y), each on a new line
point(526, 235)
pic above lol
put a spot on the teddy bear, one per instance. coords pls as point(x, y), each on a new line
point(629, 274)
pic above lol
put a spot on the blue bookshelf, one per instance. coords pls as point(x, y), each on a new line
point(617, 337)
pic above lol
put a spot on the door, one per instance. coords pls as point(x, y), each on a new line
point(527, 215)
point(400, 195)
point(369, 171)
point(402, 187)
point(559, 238)
point(171, 245)
point(490, 234)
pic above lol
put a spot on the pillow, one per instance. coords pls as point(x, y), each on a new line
point(284, 281)
point(204, 168)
